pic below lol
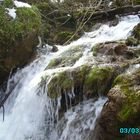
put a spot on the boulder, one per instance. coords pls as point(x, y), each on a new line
point(18, 37)
point(122, 108)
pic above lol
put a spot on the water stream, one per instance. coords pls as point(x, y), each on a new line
point(29, 112)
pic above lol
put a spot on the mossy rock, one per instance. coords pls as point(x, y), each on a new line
point(98, 80)
point(67, 58)
point(131, 41)
point(63, 82)
point(54, 62)
point(60, 83)
point(128, 85)
point(8, 3)
point(136, 1)
point(136, 31)
point(28, 20)
point(95, 49)
point(18, 37)
point(63, 36)
point(90, 82)
point(45, 7)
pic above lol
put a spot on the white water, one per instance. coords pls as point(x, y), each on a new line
point(29, 111)
point(79, 121)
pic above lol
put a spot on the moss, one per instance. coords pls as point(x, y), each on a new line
point(95, 49)
point(129, 109)
point(28, 20)
point(54, 62)
point(8, 3)
point(98, 79)
point(136, 1)
point(80, 75)
point(44, 7)
point(128, 86)
point(59, 83)
point(131, 41)
point(63, 36)
point(31, 17)
point(68, 58)
point(122, 79)
point(136, 31)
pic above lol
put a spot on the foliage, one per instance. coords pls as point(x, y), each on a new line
point(27, 20)
point(128, 84)
point(8, 3)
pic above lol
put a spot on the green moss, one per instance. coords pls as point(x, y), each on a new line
point(95, 49)
point(63, 36)
point(68, 58)
point(127, 85)
point(125, 113)
point(59, 83)
point(8, 3)
point(122, 79)
point(98, 79)
point(80, 75)
point(54, 62)
point(131, 41)
point(136, 1)
point(28, 20)
point(129, 109)
point(136, 31)
point(64, 81)
point(44, 7)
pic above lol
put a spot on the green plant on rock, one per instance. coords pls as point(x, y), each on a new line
point(54, 62)
point(63, 36)
point(8, 3)
point(80, 75)
point(131, 41)
point(28, 20)
point(136, 31)
point(98, 80)
point(128, 84)
point(58, 84)
point(136, 1)
point(95, 49)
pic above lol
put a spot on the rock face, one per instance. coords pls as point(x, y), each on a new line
point(122, 108)
point(18, 37)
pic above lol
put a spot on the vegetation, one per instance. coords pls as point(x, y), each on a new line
point(128, 84)
point(98, 80)
point(28, 20)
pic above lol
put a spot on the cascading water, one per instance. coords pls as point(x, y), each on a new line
point(29, 112)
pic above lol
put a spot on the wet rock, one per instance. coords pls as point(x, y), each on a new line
point(110, 48)
point(54, 49)
point(136, 31)
point(122, 108)
point(98, 80)
point(131, 41)
point(68, 58)
point(84, 82)
point(115, 52)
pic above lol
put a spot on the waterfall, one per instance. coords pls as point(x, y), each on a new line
point(30, 114)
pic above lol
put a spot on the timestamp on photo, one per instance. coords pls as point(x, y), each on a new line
point(129, 131)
